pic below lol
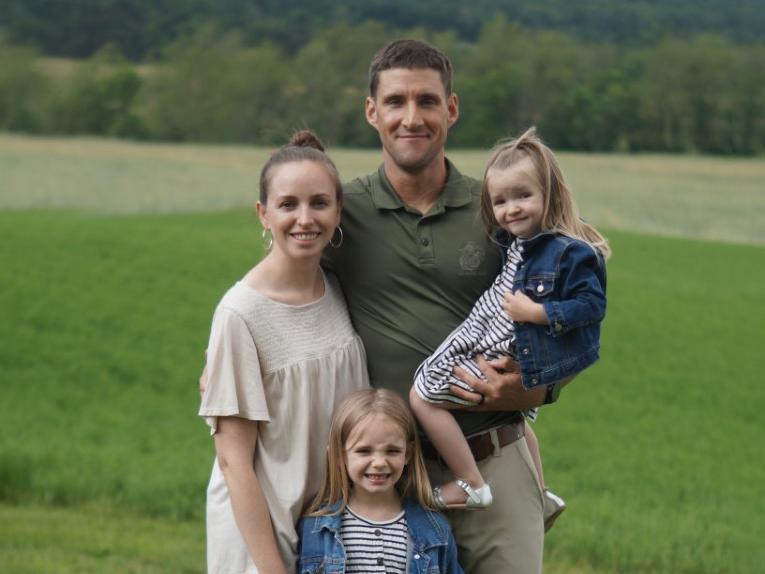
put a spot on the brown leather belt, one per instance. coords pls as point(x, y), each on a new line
point(481, 445)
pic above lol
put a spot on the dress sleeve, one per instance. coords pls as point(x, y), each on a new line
point(234, 381)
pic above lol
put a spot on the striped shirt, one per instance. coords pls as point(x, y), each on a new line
point(374, 547)
point(488, 330)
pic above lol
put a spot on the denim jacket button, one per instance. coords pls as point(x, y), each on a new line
point(526, 351)
point(558, 327)
point(540, 287)
point(416, 556)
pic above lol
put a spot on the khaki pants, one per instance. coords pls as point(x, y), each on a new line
point(508, 538)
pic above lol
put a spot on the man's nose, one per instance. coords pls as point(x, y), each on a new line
point(412, 116)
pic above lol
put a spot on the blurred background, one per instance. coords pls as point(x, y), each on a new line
point(131, 138)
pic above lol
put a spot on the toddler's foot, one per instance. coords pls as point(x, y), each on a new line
point(459, 494)
point(554, 505)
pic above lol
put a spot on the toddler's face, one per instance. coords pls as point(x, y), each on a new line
point(517, 199)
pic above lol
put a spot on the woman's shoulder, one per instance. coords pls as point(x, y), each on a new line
point(240, 299)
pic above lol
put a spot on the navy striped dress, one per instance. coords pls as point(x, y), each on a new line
point(487, 330)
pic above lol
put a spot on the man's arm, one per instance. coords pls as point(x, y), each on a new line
point(502, 390)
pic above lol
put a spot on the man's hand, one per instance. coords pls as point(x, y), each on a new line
point(522, 309)
point(502, 389)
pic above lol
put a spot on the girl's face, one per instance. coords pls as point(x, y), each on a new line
point(302, 211)
point(375, 456)
point(517, 198)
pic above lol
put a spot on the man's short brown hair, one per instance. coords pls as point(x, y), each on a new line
point(409, 54)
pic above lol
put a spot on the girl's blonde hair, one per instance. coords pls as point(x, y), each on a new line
point(353, 410)
point(560, 213)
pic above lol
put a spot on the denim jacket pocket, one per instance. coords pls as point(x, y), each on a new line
point(312, 566)
point(539, 286)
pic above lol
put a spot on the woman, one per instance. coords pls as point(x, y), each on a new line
point(282, 353)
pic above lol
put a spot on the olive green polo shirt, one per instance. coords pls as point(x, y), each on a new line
point(411, 279)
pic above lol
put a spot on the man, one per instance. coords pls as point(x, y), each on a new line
point(414, 260)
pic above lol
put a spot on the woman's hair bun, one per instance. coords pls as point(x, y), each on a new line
point(306, 138)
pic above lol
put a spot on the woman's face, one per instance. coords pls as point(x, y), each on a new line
point(302, 210)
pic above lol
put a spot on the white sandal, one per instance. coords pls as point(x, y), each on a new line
point(477, 498)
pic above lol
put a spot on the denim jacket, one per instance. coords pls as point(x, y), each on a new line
point(568, 277)
point(433, 550)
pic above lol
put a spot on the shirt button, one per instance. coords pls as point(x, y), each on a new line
point(380, 561)
point(425, 241)
point(378, 532)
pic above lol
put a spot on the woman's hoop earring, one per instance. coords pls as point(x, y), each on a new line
point(268, 243)
point(339, 243)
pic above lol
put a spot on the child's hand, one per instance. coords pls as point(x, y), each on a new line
point(522, 309)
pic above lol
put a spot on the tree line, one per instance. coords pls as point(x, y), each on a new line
point(697, 94)
point(141, 30)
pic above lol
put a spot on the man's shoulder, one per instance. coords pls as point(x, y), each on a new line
point(359, 186)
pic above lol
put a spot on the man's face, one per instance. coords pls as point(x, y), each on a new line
point(412, 114)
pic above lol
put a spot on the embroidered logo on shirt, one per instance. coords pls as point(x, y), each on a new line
point(471, 257)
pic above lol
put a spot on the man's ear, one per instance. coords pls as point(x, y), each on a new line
point(453, 109)
point(370, 110)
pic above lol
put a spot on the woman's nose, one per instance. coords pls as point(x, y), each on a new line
point(304, 216)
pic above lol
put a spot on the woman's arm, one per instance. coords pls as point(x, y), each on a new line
point(235, 442)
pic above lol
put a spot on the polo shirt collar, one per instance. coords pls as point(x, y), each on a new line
point(454, 194)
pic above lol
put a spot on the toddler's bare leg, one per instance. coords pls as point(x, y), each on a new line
point(536, 457)
point(445, 434)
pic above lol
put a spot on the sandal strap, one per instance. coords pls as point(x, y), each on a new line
point(472, 495)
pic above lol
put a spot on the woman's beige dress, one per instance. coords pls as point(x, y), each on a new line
point(286, 366)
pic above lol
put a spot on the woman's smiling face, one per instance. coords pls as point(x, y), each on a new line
point(302, 212)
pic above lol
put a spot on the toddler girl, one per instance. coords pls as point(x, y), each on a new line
point(552, 289)
point(373, 512)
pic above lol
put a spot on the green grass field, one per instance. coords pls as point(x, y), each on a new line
point(107, 292)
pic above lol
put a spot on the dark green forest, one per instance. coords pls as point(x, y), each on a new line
point(677, 75)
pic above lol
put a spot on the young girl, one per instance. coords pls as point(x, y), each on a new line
point(552, 290)
point(282, 353)
point(373, 513)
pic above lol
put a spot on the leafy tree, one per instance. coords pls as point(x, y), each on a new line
point(22, 88)
point(100, 98)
